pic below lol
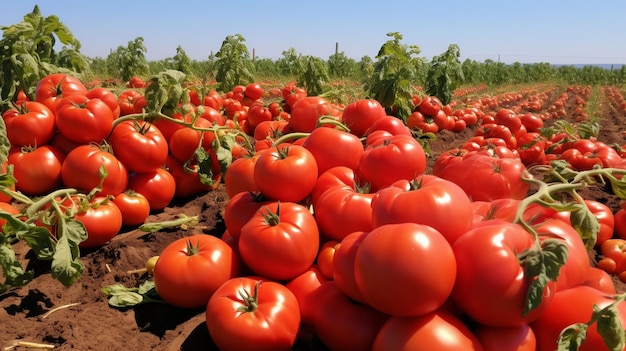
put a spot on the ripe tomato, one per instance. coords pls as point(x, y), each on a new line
point(437, 199)
point(253, 91)
point(135, 207)
point(286, 173)
point(84, 120)
point(391, 124)
point(384, 269)
point(102, 220)
point(343, 265)
point(239, 176)
point(495, 296)
point(108, 97)
point(359, 115)
point(53, 87)
point(333, 147)
point(187, 179)
point(325, 258)
point(601, 280)
point(342, 324)
point(508, 118)
point(280, 241)
point(158, 187)
point(515, 338)
point(82, 166)
point(570, 306)
point(303, 287)
point(387, 159)
point(433, 331)
point(307, 111)
point(250, 314)
point(190, 269)
point(341, 210)
point(30, 124)
point(139, 145)
point(126, 101)
point(239, 209)
point(486, 178)
point(136, 82)
point(620, 224)
point(430, 106)
point(37, 170)
point(258, 113)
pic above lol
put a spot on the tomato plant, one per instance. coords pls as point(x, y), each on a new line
point(198, 265)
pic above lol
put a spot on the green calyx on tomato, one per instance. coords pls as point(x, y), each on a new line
point(250, 302)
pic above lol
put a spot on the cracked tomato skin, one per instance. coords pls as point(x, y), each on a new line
point(249, 313)
point(189, 270)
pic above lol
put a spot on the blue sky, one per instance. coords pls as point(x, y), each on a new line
point(559, 32)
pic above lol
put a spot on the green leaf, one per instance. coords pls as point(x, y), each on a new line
point(40, 241)
point(14, 273)
point(586, 224)
point(541, 265)
point(610, 327)
point(572, 337)
point(205, 171)
point(66, 265)
point(122, 297)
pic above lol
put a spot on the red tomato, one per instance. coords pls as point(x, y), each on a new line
point(439, 331)
point(341, 210)
point(37, 170)
point(336, 176)
point(391, 124)
point(239, 209)
point(280, 241)
point(343, 265)
point(84, 120)
point(102, 221)
point(258, 113)
point(342, 324)
point(158, 187)
point(570, 306)
point(239, 176)
point(359, 115)
point(495, 295)
point(384, 269)
point(387, 159)
point(31, 124)
point(187, 179)
point(430, 106)
point(600, 279)
point(486, 178)
point(53, 87)
point(286, 173)
point(126, 101)
point(306, 112)
point(253, 91)
point(250, 314)
point(6, 207)
point(292, 94)
point(437, 199)
point(515, 338)
point(303, 287)
point(333, 147)
point(135, 207)
point(82, 166)
point(184, 141)
point(271, 129)
point(508, 118)
point(325, 258)
point(136, 82)
point(196, 265)
point(139, 145)
point(620, 224)
point(108, 97)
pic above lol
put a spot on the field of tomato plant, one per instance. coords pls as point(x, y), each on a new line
point(352, 178)
point(398, 209)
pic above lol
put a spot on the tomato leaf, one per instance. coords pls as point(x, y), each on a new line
point(66, 265)
point(223, 151)
point(542, 265)
point(610, 327)
point(122, 297)
point(205, 171)
point(586, 224)
point(572, 337)
point(13, 271)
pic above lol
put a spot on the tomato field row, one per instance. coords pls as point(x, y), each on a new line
point(344, 227)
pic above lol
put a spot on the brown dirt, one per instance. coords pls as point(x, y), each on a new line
point(91, 324)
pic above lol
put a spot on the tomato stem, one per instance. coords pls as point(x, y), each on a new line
point(251, 302)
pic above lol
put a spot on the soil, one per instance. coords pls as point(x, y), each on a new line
point(87, 322)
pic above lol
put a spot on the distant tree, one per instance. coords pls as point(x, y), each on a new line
point(340, 66)
point(233, 65)
point(312, 74)
point(289, 62)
